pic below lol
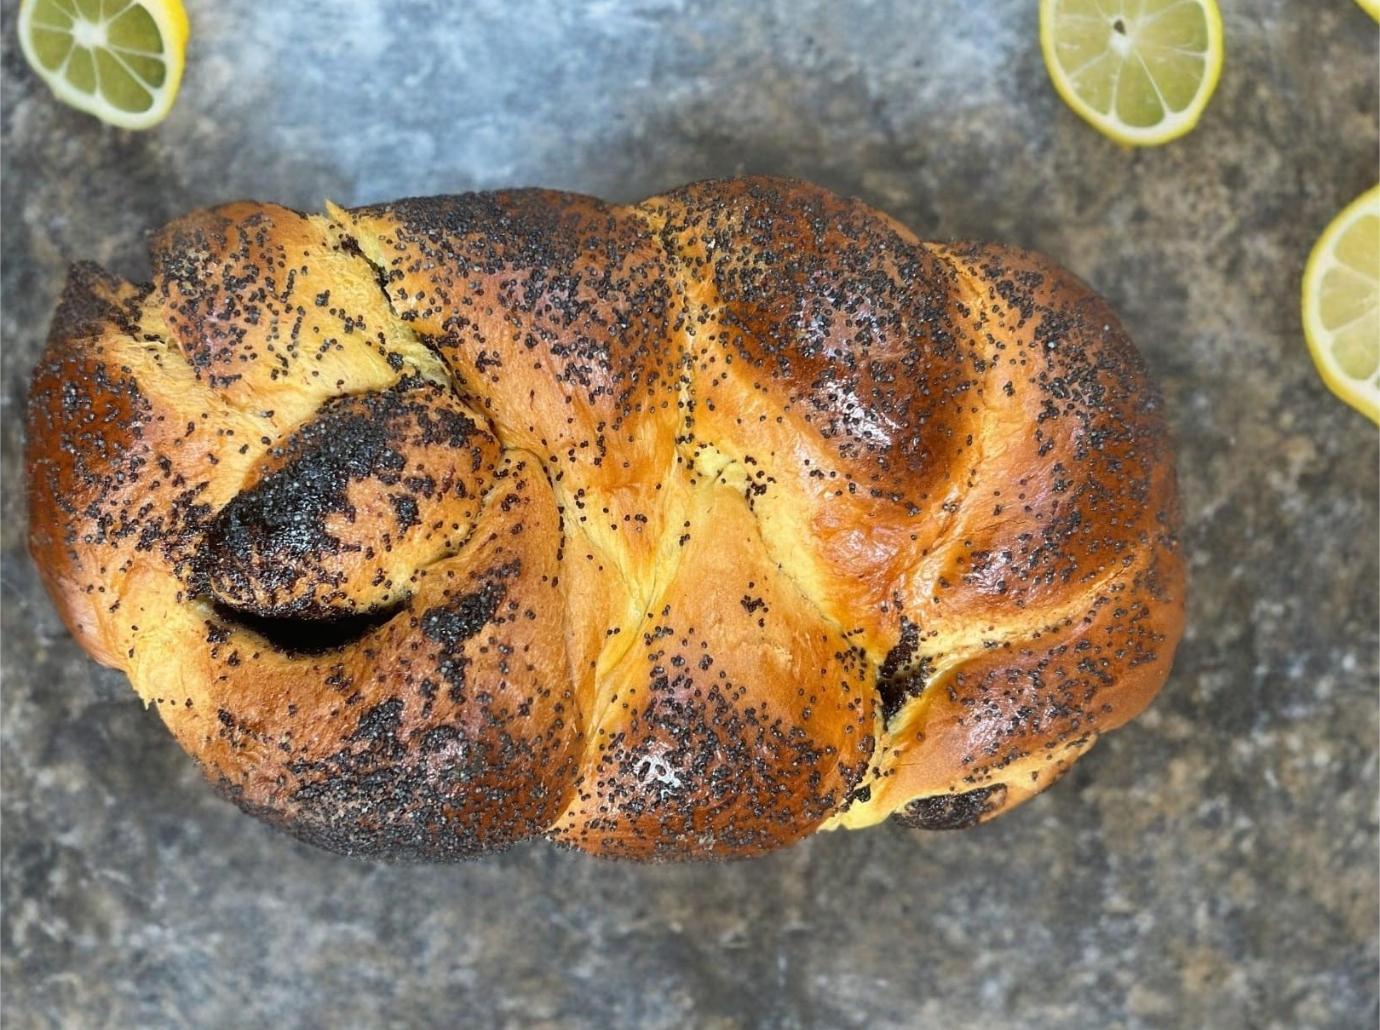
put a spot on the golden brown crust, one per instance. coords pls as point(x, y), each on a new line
point(675, 530)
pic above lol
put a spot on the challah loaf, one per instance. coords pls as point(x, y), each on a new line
point(675, 530)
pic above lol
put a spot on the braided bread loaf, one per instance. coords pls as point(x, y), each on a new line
point(675, 530)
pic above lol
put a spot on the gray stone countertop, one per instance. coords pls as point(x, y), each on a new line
point(1213, 864)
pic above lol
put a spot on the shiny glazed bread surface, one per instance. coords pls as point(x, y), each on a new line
point(673, 530)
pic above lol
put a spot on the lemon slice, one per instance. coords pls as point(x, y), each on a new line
point(120, 60)
point(1341, 304)
point(1139, 71)
point(1371, 7)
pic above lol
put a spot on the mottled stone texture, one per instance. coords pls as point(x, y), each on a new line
point(1213, 864)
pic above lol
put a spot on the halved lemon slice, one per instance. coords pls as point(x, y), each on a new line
point(1139, 71)
point(120, 60)
point(1341, 304)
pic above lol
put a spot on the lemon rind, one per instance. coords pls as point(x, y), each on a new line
point(1173, 126)
point(1364, 399)
point(171, 19)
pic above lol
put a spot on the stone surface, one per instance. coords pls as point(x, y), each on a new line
point(1213, 864)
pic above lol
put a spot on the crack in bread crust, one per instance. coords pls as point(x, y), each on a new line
point(657, 497)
